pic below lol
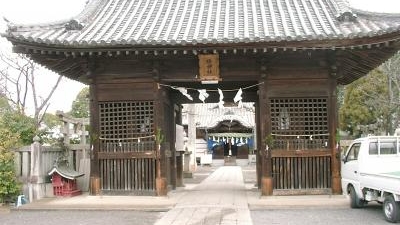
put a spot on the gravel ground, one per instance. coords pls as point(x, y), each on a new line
point(83, 217)
point(370, 215)
point(79, 217)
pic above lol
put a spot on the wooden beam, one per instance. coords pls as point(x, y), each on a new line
point(300, 153)
point(127, 155)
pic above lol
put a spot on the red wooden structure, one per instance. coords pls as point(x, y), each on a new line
point(64, 180)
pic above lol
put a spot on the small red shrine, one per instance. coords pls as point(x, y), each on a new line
point(64, 180)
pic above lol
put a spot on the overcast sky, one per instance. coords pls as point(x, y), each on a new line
point(36, 11)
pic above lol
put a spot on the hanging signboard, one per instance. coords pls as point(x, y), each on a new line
point(209, 67)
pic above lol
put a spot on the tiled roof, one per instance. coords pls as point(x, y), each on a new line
point(209, 115)
point(65, 171)
point(106, 23)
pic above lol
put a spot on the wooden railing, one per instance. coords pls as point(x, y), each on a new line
point(301, 173)
point(301, 165)
point(135, 176)
point(300, 144)
point(128, 166)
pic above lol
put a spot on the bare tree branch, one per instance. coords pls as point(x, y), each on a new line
point(19, 75)
point(392, 69)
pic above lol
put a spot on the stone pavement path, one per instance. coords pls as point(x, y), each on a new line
point(220, 199)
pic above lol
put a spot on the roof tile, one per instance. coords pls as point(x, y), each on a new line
point(182, 22)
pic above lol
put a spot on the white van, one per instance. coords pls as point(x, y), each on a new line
point(371, 172)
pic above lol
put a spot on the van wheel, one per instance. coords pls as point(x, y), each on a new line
point(391, 209)
point(355, 202)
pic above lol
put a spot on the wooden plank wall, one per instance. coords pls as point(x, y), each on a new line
point(313, 172)
point(128, 176)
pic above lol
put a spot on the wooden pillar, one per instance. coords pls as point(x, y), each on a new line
point(95, 184)
point(333, 120)
point(171, 127)
point(179, 155)
point(161, 180)
point(258, 142)
point(179, 169)
point(265, 126)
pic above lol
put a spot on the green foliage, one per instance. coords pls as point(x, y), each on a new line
point(51, 124)
point(51, 121)
point(269, 140)
point(19, 124)
point(80, 109)
point(159, 136)
point(340, 95)
point(392, 69)
point(80, 106)
point(9, 186)
point(13, 128)
point(4, 106)
point(365, 102)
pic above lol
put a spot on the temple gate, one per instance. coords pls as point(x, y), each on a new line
point(141, 59)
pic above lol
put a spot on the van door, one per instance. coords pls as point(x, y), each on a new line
point(350, 170)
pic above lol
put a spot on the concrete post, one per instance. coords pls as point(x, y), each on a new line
point(192, 136)
point(26, 169)
point(186, 168)
point(36, 182)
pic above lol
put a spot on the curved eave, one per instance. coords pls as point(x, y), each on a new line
point(66, 173)
point(236, 118)
point(375, 15)
point(329, 40)
point(234, 135)
point(357, 63)
point(45, 47)
point(72, 61)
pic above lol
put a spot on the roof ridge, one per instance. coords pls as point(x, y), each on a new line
point(343, 5)
point(344, 11)
point(12, 26)
point(376, 14)
point(108, 23)
point(74, 22)
point(91, 8)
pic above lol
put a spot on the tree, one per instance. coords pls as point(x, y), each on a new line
point(16, 123)
point(9, 186)
point(80, 106)
point(4, 105)
point(376, 95)
point(51, 126)
point(18, 89)
point(20, 124)
point(17, 82)
point(366, 104)
point(392, 69)
point(340, 90)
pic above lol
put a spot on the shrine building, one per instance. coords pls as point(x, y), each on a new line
point(142, 58)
